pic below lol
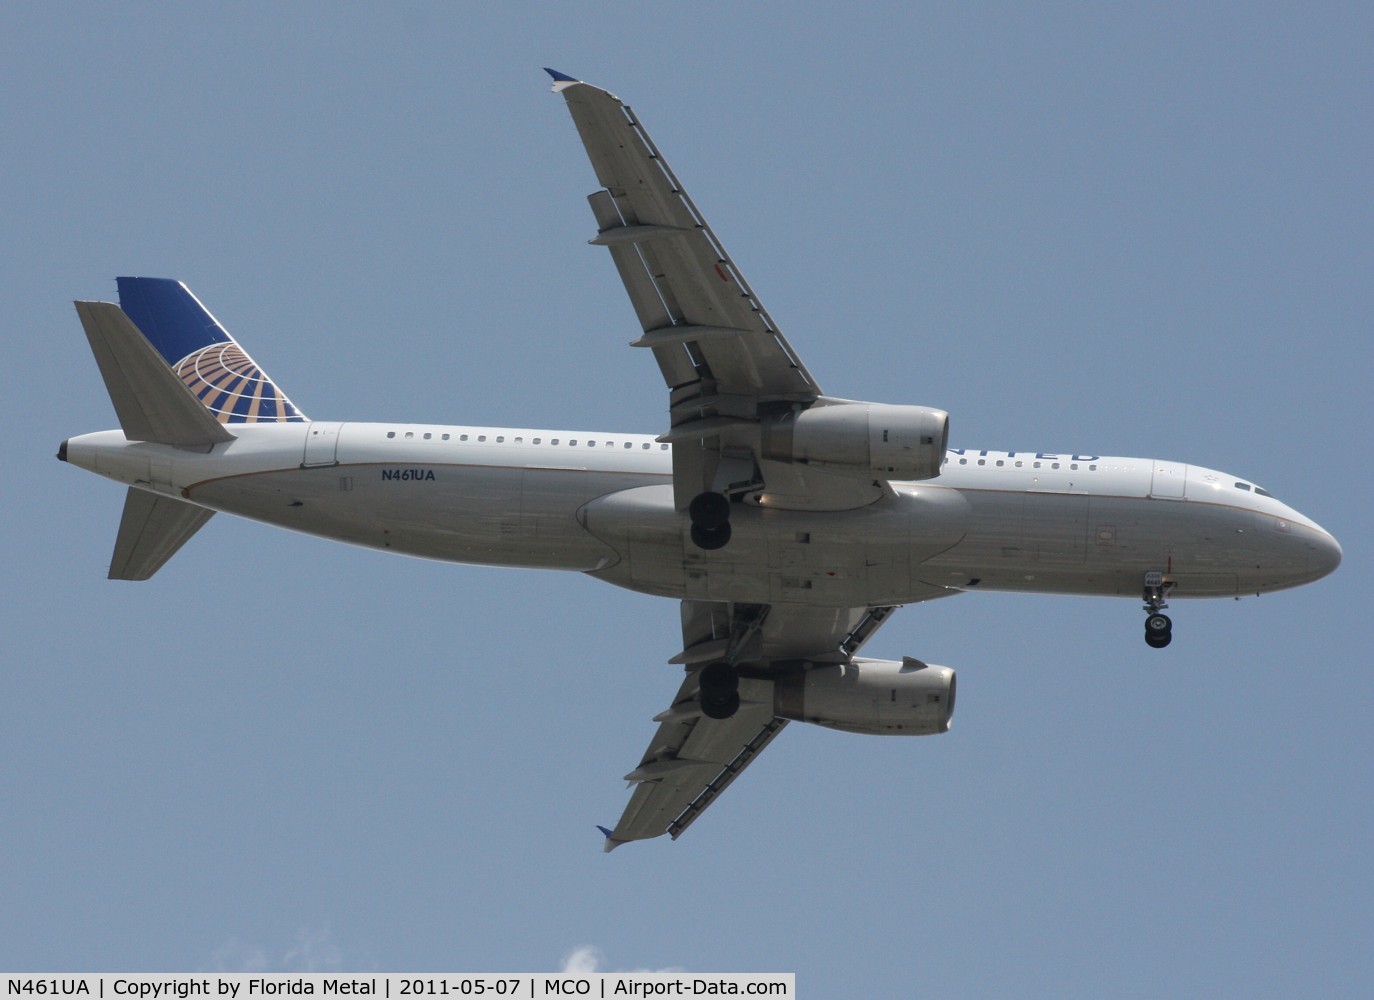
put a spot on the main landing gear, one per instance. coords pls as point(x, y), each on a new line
point(1159, 629)
point(719, 683)
point(710, 514)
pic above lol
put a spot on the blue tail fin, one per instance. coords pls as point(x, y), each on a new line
point(202, 353)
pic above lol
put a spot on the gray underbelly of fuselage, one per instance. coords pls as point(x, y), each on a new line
point(621, 527)
point(870, 556)
point(469, 514)
point(1103, 545)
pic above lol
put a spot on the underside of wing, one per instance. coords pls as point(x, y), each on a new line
point(692, 759)
point(709, 332)
point(749, 426)
point(694, 756)
point(727, 366)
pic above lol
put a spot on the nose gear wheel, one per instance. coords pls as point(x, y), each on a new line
point(1159, 628)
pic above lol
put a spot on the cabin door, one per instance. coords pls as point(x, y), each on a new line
point(1168, 480)
point(321, 444)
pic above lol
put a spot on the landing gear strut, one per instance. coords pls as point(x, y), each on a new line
point(710, 514)
point(1159, 629)
point(719, 683)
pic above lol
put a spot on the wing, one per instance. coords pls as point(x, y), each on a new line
point(708, 331)
point(693, 758)
point(728, 368)
point(725, 362)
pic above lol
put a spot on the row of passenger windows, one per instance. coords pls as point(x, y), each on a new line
point(1073, 466)
point(519, 439)
point(645, 446)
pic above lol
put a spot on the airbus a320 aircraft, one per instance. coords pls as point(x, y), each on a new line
point(788, 523)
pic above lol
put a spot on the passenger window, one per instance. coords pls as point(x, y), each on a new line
point(462, 437)
point(391, 434)
point(500, 438)
point(445, 437)
point(538, 440)
point(410, 434)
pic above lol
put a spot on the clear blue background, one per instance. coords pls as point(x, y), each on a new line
point(1139, 230)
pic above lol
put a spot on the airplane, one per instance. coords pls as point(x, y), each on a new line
point(789, 524)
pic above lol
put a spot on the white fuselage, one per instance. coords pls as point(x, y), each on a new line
point(602, 503)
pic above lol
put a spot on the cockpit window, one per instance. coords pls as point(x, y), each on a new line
point(1264, 493)
point(1242, 486)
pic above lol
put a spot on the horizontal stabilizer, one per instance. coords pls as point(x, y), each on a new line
point(151, 402)
point(151, 531)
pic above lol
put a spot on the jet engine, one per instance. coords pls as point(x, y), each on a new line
point(873, 440)
point(880, 697)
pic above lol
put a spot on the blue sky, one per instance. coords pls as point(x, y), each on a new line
point(1139, 230)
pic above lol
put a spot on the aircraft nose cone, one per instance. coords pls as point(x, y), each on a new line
point(1326, 554)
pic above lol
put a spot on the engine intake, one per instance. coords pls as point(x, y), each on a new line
point(881, 697)
point(874, 440)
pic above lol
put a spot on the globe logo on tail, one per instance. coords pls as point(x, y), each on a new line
point(233, 387)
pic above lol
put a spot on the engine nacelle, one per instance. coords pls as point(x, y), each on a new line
point(873, 440)
point(881, 697)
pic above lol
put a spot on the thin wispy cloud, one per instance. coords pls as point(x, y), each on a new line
point(581, 961)
point(586, 959)
point(314, 950)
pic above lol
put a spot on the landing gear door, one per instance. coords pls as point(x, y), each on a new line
point(321, 444)
point(1168, 480)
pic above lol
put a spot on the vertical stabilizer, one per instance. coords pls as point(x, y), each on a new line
point(201, 352)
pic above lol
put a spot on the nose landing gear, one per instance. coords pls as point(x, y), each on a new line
point(1159, 629)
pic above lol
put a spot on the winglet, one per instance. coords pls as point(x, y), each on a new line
point(611, 842)
point(561, 81)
